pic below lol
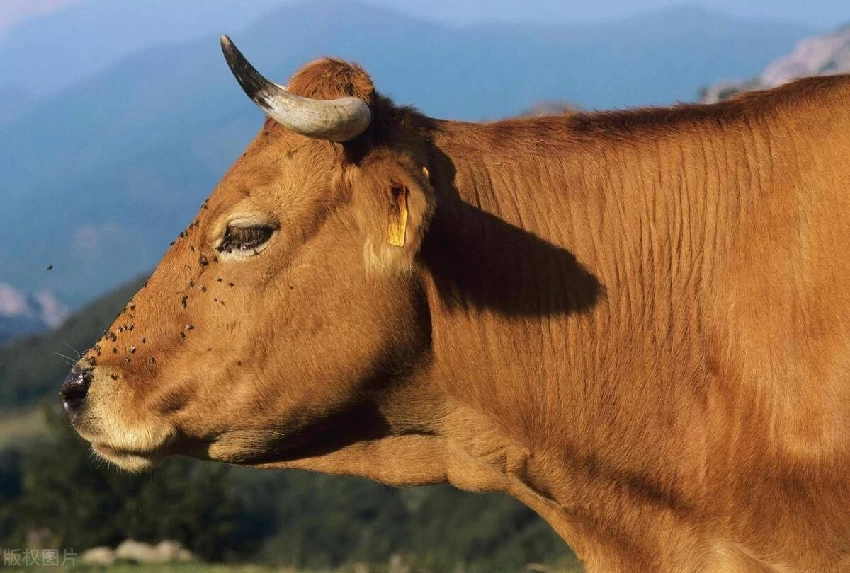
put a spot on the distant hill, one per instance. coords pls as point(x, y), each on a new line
point(15, 104)
point(22, 313)
point(813, 56)
point(97, 180)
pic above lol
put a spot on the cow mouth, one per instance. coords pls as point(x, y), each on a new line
point(128, 460)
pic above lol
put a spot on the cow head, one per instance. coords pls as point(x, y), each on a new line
point(290, 307)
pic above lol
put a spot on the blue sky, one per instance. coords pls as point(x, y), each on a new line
point(138, 24)
point(820, 14)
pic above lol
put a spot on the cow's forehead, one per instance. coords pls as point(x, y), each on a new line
point(280, 171)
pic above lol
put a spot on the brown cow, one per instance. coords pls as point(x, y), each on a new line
point(637, 323)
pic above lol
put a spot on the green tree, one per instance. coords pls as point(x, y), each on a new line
point(85, 503)
point(10, 489)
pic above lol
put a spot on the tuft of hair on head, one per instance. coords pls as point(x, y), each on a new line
point(331, 78)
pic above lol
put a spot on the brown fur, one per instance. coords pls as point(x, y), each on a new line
point(637, 323)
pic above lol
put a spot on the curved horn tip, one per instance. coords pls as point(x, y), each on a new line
point(229, 48)
point(253, 83)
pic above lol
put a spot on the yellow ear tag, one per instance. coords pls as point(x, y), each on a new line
point(397, 227)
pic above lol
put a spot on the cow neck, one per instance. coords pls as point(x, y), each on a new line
point(524, 268)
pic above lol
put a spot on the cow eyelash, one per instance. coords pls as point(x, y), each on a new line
point(245, 239)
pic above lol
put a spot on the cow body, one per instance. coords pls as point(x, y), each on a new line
point(696, 357)
point(637, 323)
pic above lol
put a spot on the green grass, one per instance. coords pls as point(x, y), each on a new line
point(567, 567)
point(163, 568)
point(22, 426)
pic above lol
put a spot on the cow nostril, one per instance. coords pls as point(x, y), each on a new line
point(74, 389)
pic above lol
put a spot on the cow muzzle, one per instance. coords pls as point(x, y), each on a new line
point(117, 433)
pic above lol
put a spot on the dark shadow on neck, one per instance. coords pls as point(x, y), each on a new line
point(479, 261)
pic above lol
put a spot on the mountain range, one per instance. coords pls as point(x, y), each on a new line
point(813, 56)
point(22, 313)
point(98, 178)
point(15, 103)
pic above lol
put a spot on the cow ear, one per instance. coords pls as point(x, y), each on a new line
point(393, 202)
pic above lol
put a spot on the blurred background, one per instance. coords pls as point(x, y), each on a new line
point(117, 117)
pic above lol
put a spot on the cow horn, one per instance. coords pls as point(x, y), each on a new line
point(340, 119)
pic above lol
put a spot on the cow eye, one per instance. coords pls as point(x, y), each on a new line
point(247, 240)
